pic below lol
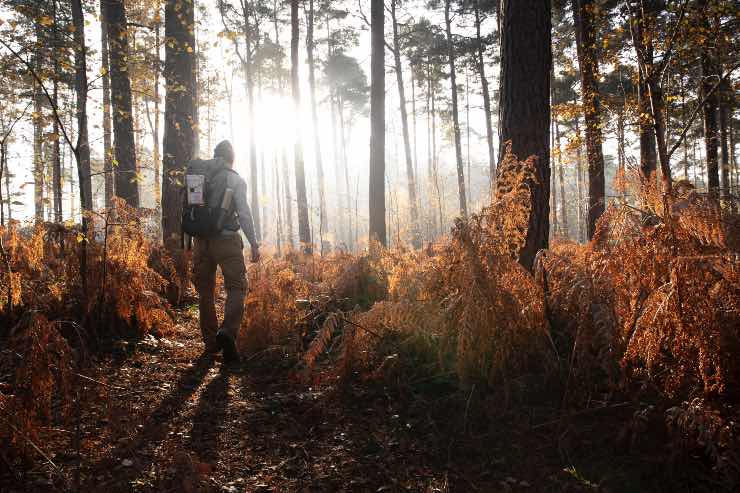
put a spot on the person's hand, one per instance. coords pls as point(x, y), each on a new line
point(255, 254)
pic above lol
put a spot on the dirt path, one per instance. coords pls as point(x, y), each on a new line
point(160, 417)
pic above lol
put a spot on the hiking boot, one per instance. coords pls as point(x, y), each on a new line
point(227, 344)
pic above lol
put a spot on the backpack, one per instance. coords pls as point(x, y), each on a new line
point(205, 187)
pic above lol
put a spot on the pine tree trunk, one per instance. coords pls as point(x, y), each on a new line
point(56, 153)
point(724, 123)
point(561, 178)
point(648, 155)
point(310, 46)
point(455, 113)
point(377, 230)
point(288, 200)
point(247, 67)
point(38, 136)
point(525, 104)
point(107, 131)
point(481, 66)
point(123, 125)
point(155, 136)
point(589, 68)
point(82, 151)
point(411, 180)
point(178, 117)
point(579, 180)
point(304, 231)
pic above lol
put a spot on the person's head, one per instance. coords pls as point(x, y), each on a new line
point(224, 150)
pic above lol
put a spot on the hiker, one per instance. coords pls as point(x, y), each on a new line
point(215, 208)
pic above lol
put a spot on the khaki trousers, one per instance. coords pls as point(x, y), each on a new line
point(225, 252)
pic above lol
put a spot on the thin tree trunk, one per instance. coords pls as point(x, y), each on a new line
point(724, 113)
point(107, 131)
point(579, 182)
point(377, 230)
point(7, 187)
point(455, 113)
point(155, 137)
point(247, 67)
point(414, 127)
point(82, 148)
point(643, 34)
point(310, 46)
point(411, 179)
point(279, 211)
point(563, 203)
point(3, 171)
point(123, 125)
point(56, 153)
point(467, 133)
point(304, 231)
point(480, 63)
point(288, 200)
point(38, 134)
point(589, 68)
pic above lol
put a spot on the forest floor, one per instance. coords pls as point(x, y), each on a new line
point(157, 415)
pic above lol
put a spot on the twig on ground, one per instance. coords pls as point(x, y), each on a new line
point(580, 413)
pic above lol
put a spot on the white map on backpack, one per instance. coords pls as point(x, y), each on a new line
point(196, 189)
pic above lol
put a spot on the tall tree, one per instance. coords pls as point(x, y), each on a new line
point(377, 124)
point(642, 33)
point(709, 77)
point(123, 124)
point(584, 12)
point(410, 175)
point(310, 47)
point(304, 230)
point(107, 131)
point(525, 104)
point(56, 165)
point(38, 120)
point(179, 107)
point(455, 113)
point(481, 68)
point(82, 149)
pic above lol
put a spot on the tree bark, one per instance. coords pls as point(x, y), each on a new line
point(410, 177)
point(82, 151)
point(123, 125)
point(377, 230)
point(304, 229)
point(561, 178)
point(711, 134)
point(155, 134)
point(525, 104)
point(589, 68)
point(56, 152)
point(107, 131)
point(642, 35)
point(455, 113)
point(310, 46)
point(288, 200)
point(178, 117)
point(38, 132)
point(481, 66)
point(247, 67)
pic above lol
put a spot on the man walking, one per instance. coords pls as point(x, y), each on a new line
point(221, 247)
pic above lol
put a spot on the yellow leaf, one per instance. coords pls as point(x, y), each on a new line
point(46, 21)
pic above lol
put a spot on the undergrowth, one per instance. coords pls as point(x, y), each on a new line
point(647, 313)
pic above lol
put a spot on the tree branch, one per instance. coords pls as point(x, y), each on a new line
point(682, 136)
point(46, 93)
